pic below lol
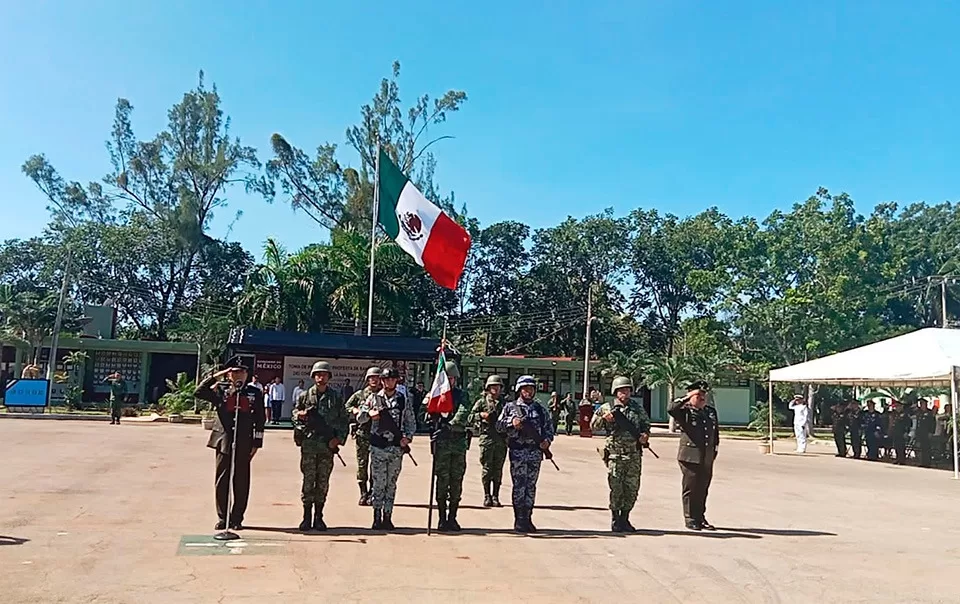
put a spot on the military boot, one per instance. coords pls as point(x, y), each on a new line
point(452, 524)
point(318, 523)
point(441, 518)
point(307, 522)
point(615, 524)
point(529, 518)
point(388, 521)
point(364, 493)
point(519, 525)
point(487, 499)
point(377, 520)
point(495, 496)
point(625, 523)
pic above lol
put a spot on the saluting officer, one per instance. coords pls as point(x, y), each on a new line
point(699, 440)
point(628, 429)
point(493, 444)
point(361, 432)
point(227, 399)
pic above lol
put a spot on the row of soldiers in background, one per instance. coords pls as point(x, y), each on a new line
point(903, 426)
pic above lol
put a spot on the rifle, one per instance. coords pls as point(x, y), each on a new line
point(389, 425)
point(314, 424)
point(531, 431)
point(623, 422)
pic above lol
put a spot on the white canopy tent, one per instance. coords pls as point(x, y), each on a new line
point(926, 357)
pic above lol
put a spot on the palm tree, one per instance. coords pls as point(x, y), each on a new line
point(630, 365)
point(670, 372)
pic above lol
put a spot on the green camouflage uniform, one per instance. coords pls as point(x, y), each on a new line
point(362, 435)
point(450, 453)
point(493, 444)
point(622, 453)
point(118, 389)
point(316, 457)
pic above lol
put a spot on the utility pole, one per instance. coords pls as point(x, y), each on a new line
point(943, 301)
point(586, 348)
point(54, 344)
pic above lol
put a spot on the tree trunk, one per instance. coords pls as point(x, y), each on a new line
point(670, 396)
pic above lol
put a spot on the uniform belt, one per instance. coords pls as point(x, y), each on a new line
point(522, 446)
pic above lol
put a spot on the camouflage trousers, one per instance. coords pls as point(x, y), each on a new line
point(316, 464)
point(623, 476)
point(385, 465)
point(450, 465)
point(493, 454)
point(363, 456)
point(524, 471)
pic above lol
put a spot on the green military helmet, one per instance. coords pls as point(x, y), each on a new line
point(321, 367)
point(451, 369)
point(372, 372)
point(620, 382)
point(493, 380)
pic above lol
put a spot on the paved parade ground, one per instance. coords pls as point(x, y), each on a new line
point(96, 513)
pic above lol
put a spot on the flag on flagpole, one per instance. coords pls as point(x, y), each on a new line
point(436, 241)
point(441, 395)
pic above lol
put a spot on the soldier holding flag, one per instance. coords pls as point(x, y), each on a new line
point(448, 415)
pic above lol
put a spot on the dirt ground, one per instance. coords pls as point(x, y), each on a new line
point(96, 513)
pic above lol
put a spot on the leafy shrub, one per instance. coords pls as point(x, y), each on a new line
point(180, 398)
point(130, 412)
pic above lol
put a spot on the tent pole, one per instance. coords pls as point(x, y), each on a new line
point(953, 410)
point(770, 413)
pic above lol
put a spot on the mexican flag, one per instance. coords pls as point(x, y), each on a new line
point(435, 241)
point(441, 397)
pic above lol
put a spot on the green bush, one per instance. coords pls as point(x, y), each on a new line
point(759, 419)
point(129, 412)
point(180, 398)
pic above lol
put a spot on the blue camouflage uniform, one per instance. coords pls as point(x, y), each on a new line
point(524, 450)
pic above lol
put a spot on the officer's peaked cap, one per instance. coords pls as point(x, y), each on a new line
point(236, 362)
point(698, 385)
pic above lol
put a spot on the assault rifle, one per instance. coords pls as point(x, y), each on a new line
point(388, 425)
point(623, 422)
point(531, 431)
point(314, 425)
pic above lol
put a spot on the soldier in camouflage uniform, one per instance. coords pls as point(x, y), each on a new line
point(493, 445)
point(392, 425)
point(623, 451)
point(118, 389)
point(361, 434)
point(529, 430)
point(449, 439)
point(319, 438)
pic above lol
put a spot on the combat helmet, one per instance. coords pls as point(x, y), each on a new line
point(620, 382)
point(451, 369)
point(321, 367)
point(493, 380)
point(390, 372)
point(524, 380)
point(372, 372)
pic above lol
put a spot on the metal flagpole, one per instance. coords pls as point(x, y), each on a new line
point(943, 302)
point(586, 348)
point(375, 214)
point(433, 453)
point(770, 413)
point(953, 412)
point(58, 322)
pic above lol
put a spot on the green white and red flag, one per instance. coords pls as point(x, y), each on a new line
point(441, 395)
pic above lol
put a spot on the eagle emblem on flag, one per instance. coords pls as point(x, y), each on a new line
point(411, 225)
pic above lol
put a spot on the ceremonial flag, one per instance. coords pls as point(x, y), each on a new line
point(435, 241)
point(441, 396)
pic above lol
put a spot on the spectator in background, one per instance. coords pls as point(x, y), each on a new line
point(297, 391)
point(801, 413)
point(256, 383)
point(276, 394)
point(347, 390)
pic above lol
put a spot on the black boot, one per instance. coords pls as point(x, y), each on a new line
point(307, 522)
point(487, 499)
point(529, 517)
point(615, 525)
point(377, 520)
point(441, 518)
point(221, 525)
point(625, 523)
point(495, 496)
point(318, 523)
point(452, 524)
point(388, 521)
point(519, 525)
point(364, 494)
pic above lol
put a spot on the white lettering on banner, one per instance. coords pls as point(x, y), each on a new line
point(298, 368)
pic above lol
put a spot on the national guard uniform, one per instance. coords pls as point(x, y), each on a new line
point(872, 431)
point(840, 428)
point(118, 389)
point(449, 440)
point(393, 425)
point(246, 402)
point(361, 434)
point(699, 440)
point(493, 444)
point(854, 421)
point(320, 427)
point(529, 430)
point(623, 451)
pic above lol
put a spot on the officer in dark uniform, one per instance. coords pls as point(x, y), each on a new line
point(898, 427)
point(226, 398)
point(873, 431)
point(840, 428)
point(699, 439)
point(854, 422)
point(926, 425)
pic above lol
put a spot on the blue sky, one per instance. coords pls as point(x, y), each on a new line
point(573, 107)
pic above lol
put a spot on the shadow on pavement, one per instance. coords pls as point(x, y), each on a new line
point(4, 540)
point(777, 532)
point(360, 534)
point(555, 508)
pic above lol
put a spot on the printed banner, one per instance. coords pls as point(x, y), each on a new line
point(347, 375)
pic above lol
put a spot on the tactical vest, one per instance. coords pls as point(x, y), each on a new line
point(379, 440)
